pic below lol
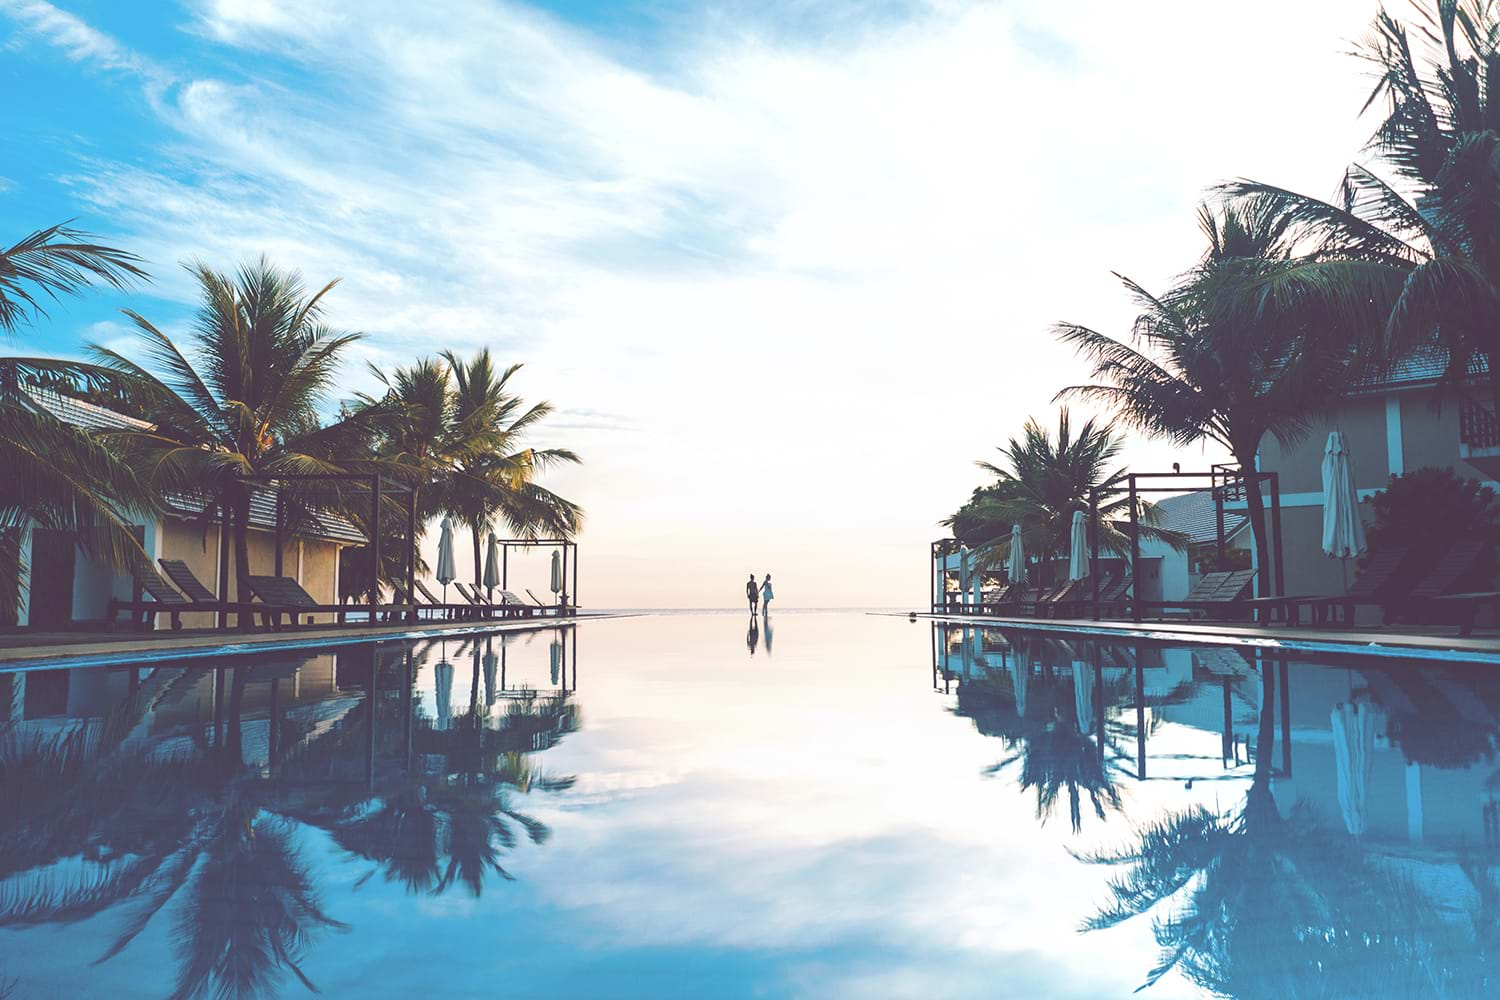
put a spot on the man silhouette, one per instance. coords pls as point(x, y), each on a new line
point(752, 593)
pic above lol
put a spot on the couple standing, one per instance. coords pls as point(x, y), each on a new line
point(758, 594)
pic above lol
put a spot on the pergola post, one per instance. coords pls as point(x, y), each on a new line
point(411, 552)
point(280, 521)
point(374, 545)
point(1135, 553)
point(564, 578)
point(575, 605)
point(505, 566)
point(224, 562)
point(1094, 548)
point(1276, 533)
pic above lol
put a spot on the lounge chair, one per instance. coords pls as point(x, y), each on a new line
point(1454, 569)
point(1377, 583)
point(478, 606)
point(281, 595)
point(164, 600)
point(543, 608)
point(1065, 598)
point(424, 601)
point(1213, 594)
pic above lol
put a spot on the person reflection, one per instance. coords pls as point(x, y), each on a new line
point(767, 623)
point(752, 637)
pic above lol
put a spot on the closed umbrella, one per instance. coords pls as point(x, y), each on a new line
point(1343, 533)
point(557, 580)
point(1015, 566)
point(446, 573)
point(442, 694)
point(492, 566)
point(1020, 674)
point(1083, 696)
point(1078, 552)
point(1353, 747)
point(491, 661)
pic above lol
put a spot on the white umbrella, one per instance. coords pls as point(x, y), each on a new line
point(491, 661)
point(1078, 552)
point(442, 693)
point(446, 573)
point(492, 565)
point(1015, 566)
point(1083, 696)
point(1020, 673)
point(1353, 746)
point(557, 580)
point(1343, 533)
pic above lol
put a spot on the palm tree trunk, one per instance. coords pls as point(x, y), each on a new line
point(1256, 509)
point(241, 506)
point(478, 569)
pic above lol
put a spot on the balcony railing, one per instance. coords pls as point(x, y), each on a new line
point(1477, 425)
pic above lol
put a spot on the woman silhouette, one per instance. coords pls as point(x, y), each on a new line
point(766, 595)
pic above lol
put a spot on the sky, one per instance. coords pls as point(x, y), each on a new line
point(786, 268)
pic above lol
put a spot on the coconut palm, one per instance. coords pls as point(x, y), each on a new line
point(1211, 359)
point(1043, 480)
point(500, 481)
point(56, 476)
point(1426, 243)
point(1265, 905)
point(244, 397)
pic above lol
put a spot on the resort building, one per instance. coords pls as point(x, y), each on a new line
point(1168, 574)
point(1394, 425)
point(60, 584)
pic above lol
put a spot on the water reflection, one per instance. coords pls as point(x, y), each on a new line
point(195, 791)
point(1372, 873)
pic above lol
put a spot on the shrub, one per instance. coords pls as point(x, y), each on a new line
point(1431, 508)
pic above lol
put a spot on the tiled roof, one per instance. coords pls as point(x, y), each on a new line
point(90, 417)
point(1422, 366)
point(85, 415)
point(1194, 515)
point(263, 515)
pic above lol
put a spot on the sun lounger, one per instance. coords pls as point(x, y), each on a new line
point(478, 606)
point(424, 601)
point(164, 600)
point(1455, 569)
point(1377, 583)
point(280, 595)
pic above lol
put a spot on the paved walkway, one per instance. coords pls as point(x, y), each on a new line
point(72, 649)
point(1343, 642)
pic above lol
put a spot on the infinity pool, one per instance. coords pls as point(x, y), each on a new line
point(823, 805)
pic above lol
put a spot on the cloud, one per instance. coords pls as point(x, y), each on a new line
point(78, 40)
point(812, 254)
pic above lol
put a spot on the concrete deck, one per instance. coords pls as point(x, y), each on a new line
point(73, 649)
point(1274, 638)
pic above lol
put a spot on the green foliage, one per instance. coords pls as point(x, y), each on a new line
point(1042, 482)
point(1429, 509)
point(1425, 247)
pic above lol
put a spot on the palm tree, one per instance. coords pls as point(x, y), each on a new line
point(1043, 481)
point(245, 398)
point(1263, 905)
point(1425, 245)
point(500, 480)
point(56, 476)
point(1212, 359)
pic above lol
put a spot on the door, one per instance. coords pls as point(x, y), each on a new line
point(50, 601)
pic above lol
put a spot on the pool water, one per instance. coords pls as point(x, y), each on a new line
point(821, 805)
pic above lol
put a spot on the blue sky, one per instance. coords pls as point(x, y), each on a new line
point(786, 269)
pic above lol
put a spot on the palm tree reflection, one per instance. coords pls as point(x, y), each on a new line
point(1051, 704)
point(109, 819)
point(1252, 904)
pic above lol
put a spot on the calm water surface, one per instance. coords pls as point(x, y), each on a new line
point(823, 805)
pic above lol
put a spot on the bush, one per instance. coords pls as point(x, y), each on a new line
point(1429, 509)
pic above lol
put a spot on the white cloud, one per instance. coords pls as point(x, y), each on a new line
point(815, 271)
